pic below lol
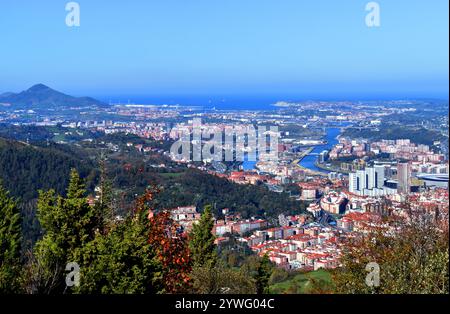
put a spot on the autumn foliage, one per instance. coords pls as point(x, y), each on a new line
point(170, 245)
point(413, 258)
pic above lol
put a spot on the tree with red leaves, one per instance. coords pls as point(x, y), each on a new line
point(170, 245)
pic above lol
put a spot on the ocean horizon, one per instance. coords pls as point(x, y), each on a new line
point(256, 102)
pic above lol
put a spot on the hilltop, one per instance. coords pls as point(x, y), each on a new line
point(40, 96)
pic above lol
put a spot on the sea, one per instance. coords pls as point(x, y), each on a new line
point(207, 102)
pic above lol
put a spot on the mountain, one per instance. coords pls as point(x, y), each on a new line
point(41, 96)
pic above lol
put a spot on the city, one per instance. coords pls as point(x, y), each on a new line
point(347, 182)
point(210, 156)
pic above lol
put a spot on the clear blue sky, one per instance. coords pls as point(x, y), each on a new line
point(282, 48)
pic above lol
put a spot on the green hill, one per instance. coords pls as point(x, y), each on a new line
point(24, 169)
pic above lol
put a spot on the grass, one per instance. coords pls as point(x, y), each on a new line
point(303, 282)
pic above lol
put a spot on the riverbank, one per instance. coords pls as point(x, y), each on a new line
point(329, 169)
point(309, 161)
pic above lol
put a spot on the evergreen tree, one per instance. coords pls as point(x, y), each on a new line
point(120, 261)
point(68, 224)
point(201, 244)
point(104, 207)
point(70, 221)
point(10, 238)
point(263, 274)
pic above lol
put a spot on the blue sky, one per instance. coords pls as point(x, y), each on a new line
point(279, 48)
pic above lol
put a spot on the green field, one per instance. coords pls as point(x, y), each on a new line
point(309, 282)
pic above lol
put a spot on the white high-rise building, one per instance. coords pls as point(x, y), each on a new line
point(367, 182)
point(370, 178)
point(379, 176)
point(353, 183)
point(361, 181)
point(357, 182)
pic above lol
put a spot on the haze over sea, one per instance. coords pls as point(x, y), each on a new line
point(253, 102)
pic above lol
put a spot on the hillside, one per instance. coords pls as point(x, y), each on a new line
point(417, 135)
point(42, 96)
point(319, 281)
point(25, 169)
point(183, 186)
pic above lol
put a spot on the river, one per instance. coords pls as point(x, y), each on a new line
point(310, 160)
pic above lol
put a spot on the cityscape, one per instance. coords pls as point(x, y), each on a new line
point(212, 159)
point(348, 181)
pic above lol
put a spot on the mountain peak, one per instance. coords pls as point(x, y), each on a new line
point(38, 87)
point(40, 95)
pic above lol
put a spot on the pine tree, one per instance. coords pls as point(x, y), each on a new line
point(10, 237)
point(104, 207)
point(70, 221)
point(121, 261)
point(201, 244)
point(262, 277)
point(69, 224)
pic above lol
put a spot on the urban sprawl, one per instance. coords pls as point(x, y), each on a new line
point(349, 187)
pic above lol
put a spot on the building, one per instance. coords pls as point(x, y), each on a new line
point(323, 156)
point(335, 176)
point(185, 216)
point(367, 182)
point(434, 180)
point(309, 193)
point(334, 203)
point(314, 209)
point(404, 177)
point(240, 227)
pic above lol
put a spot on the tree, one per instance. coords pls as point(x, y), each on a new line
point(69, 224)
point(292, 289)
point(170, 246)
point(29, 168)
point(10, 238)
point(264, 271)
point(113, 256)
point(201, 244)
point(104, 207)
point(278, 275)
point(319, 286)
point(70, 221)
point(121, 261)
point(412, 260)
point(221, 280)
